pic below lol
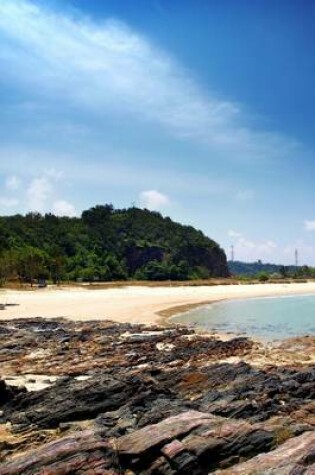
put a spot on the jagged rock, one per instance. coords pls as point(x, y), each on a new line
point(191, 443)
point(7, 393)
point(84, 453)
point(72, 400)
point(157, 401)
point(139, 442)
point(294, 457)
point(147, 336)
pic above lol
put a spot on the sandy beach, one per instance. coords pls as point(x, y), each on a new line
point(136, 304)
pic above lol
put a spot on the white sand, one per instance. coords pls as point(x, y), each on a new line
point(130, 304)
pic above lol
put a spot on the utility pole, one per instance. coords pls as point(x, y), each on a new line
point(232, 253)
point(296, 258)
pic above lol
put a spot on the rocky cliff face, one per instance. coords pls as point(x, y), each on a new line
point(105, 398)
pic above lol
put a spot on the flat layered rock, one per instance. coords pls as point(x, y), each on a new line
point(191, 443)
point(294, 457)
point(137, 400)
point(83, 453)
point(155, 435)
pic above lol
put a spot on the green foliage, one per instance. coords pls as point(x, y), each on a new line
point(31, 264)
point(105, 244)
point(263, 277)
point(161, 270)
point(274, 271)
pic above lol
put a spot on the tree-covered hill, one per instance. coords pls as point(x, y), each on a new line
point(258, 269)
point(252, 269)
point(106, 244)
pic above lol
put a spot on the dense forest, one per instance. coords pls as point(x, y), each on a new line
point(259, 269)
point(105, 244)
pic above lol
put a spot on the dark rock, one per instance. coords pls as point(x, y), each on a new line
point(294, 457)
point(71, 400)
point(156, 401)
point(7, 393)
point(84, 453)
point(152, 436)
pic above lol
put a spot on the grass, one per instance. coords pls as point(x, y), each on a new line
point(165, 283)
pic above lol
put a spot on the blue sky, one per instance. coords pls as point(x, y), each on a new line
point(203, 110)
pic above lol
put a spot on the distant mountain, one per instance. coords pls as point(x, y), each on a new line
point(106, 244)
point(252, 269)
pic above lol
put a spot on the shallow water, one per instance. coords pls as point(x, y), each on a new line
point(269, 319)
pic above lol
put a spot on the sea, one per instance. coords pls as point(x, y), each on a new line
point(265, 318)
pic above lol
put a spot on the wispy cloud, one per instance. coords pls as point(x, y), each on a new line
point(306, 252)
point(12, 183)
point(106, 67)
point(8, 202)
point(244, 195)
point(250, 250)
point(116, 173)
point(234, 234)
point(54, 174)
point(262, 249)
point(309, 225)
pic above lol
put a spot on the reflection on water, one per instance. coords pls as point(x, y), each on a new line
point(266, 318)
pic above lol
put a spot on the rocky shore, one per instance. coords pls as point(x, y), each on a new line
point(104, 398)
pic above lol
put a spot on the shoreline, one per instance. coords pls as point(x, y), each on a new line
point(122, 394)
point(98, 371)
point(134, 304)
point(173, 316)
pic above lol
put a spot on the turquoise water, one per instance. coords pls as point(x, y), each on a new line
point(266, 318)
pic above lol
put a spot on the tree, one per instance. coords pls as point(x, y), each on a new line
point(263, 277)
point(107, 244)
point(57, 262)
point(8, 266)
point(31, 264)
point(283, 271)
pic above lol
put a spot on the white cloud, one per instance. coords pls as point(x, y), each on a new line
point(250, 250)
point(108, 66)
point(116, 173)
point(41, 189)
point(63, 208)
point(12, 183)
point(8, 202)
point(244, 195)
point(153, 199)
point(38, 193)
point(234, 234)
point(54, 173)
point(259, 247)
point(309, 225)
point(306, 252)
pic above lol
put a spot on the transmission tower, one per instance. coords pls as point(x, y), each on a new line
point(296, 258)
point(232, 253)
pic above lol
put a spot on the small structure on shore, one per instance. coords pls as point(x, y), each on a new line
point(41, 283)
